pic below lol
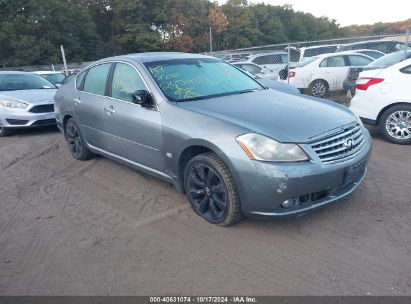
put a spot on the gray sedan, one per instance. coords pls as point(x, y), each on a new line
point(233, 146)
point(26, 100)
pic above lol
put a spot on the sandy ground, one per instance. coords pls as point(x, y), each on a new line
point(99, 228)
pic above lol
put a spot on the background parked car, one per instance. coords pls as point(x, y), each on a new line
point(297, 54)
point(255, 69)
point(272, 61)
point(385, 46)
point(325, 73)
point(382, 62)
point(26, 100)
point(52, 76)
point(383, 98)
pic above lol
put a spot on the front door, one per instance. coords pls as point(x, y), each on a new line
point(135, 131)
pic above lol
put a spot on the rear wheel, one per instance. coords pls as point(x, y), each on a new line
point(75, 141)
point(395, 124)
point(319, 88)
point(211, 190)
point(4, 131)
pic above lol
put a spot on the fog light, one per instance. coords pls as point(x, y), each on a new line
point(288, 203)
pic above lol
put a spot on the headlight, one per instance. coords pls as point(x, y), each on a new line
point(13, 104)
point(262, 148)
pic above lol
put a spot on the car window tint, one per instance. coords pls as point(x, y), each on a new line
point(126, 81)
point(333, 62)
point(96, 78)
point(251, 68)
point(406, 70)
point(79, 81)
point(269, 59)
point(358, 60)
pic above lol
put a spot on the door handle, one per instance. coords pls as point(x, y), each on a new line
point(77, 100)
point(110, 110)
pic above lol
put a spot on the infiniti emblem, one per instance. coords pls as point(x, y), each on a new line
point(349, 143)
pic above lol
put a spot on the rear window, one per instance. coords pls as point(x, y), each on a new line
point(390, 59)
point(333, 62)
point(271, 59)
point(306, 61)
point(96, 79)
point(16, 82)
point(319, 51)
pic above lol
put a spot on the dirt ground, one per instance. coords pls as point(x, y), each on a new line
point(98, 228)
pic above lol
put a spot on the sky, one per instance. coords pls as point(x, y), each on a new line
point(348, 12)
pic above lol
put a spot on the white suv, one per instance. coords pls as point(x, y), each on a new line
point(383, 98)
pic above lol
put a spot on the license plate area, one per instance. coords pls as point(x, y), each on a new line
point(353, 172)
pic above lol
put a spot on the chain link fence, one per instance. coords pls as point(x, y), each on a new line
point(322, 68)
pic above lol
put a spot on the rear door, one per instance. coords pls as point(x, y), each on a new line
point(134, 130)
point(334, 70)
point(90, 102)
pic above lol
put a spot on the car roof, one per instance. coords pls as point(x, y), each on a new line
point(342, 53)
point(269, 53)
point(47, 72)
point(156, 56)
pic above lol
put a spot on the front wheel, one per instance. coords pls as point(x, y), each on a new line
point(395, 124)
point(75, 141)
point(4, 131)
point(211, 190)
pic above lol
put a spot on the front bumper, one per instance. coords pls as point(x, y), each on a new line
point(310, 184)
point(22, 118)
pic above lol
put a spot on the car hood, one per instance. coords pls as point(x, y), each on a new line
point(29, 96)
point(281, 116)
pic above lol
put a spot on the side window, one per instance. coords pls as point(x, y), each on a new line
point(126, 81)
point(251, 68)
point(260, 60)
point(333, 62)
point(80, 80)
point(406, 70)
point(358, 60)
point(96, 78)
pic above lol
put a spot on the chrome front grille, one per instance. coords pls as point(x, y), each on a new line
point(343, 145)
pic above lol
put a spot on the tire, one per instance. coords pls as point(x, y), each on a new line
point(211, 190)
point(319, 88)
point(395, 124)
point(76, 142)
point(4, 131)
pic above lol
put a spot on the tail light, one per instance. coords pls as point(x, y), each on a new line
point(291, 74)
point(365, 83)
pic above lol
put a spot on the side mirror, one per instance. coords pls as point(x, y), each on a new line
point(143, 98)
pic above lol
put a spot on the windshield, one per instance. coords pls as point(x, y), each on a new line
point(306, 61)
point(199, 78)
point(14, 82)
point(54, 78)
point(390, 59)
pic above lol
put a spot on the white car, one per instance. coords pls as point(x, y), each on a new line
point(272, 61)
point(52, 76)
point(256, 70)
point(383, 98)
point(325, 73)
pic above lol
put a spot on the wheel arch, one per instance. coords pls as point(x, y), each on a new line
point(383, 110)
point(193, 148)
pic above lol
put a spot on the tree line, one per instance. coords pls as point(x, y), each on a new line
point(31, 31)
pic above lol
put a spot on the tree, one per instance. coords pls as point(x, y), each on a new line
point(218, 22)
point(32, 33)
